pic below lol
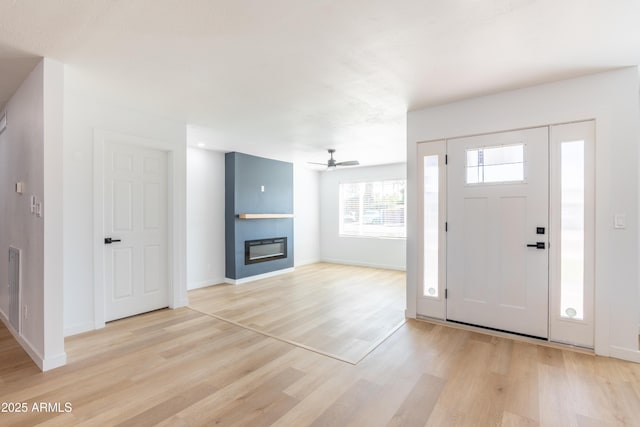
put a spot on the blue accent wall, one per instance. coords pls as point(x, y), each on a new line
point(244, 177)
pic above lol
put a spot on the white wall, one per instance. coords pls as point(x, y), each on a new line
point(611, 99)
point(306, 208)
point(53, 215)
point(205, 218)
point(371, 252)
point(84, 114)
point(22, 158)
point(30, 152)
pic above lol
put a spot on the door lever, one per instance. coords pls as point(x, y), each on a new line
point(537, 245)
point(109, 240)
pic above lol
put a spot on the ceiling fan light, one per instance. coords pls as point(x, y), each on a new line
point(331, 168)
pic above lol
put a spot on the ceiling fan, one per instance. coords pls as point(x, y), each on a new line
point(332, 164)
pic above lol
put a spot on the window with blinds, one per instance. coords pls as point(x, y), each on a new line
point(373, 209)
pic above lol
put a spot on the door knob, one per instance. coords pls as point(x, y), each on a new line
point(537, 245)
point(109, 240)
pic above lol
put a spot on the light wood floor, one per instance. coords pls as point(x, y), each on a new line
point(184, 368)
point(337, 310)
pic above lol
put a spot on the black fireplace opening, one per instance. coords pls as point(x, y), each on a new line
point(264, 250)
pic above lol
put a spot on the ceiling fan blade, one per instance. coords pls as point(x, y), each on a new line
point(348, 163)
point(314, 163)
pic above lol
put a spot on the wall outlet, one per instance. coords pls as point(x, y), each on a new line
point(39, 209)
point(33, 205)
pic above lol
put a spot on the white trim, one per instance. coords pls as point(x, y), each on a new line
point(205, 283)
point(42, 363)
point(411, 244)
point(181, 302)
point(78, 328)
point(306, 262)
point(53, 362)
point(177, 295)
point(364, 264)
point(624, 354)
point(258, 276)
point(98, 230)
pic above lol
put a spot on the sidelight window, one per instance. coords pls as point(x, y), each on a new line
point(431, 225)
point(572, 229)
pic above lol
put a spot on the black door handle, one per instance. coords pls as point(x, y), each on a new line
point(537, 245)
point(109, 240)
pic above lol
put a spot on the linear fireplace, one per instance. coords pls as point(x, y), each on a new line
point(264, 250)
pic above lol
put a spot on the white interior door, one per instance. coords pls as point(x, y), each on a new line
point(498, 206)
point(135, 219)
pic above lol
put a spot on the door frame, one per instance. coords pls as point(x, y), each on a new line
point(177, 295)
point(436, 309)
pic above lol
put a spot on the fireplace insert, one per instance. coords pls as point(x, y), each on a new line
point(265, 250)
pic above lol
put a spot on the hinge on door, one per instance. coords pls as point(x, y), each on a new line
point(446, 159)
point(446, 293)
point(446, 227)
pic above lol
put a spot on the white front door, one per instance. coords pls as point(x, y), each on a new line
point(497, 239)
point(135, 225)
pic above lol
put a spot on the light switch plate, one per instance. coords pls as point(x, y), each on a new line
point(19, 187)
point(33, 204)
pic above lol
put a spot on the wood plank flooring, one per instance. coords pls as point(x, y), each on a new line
point(337, 310)
point(184, 368)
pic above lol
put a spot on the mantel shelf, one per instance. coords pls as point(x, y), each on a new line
point(263, 216)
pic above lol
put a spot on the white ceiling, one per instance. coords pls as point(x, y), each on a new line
point(300, 76)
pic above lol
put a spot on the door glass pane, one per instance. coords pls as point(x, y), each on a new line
point(431, 225)
point(572, 229)
point(495, 164)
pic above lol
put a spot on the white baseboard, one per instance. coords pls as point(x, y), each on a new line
point(54, 362)
point(78, 328)
point(307, 262)
point(205, 283)
point(182, 303)
point(409, 315)
point(42, 363)
point(365, 264)
point(624, 353)
point(258, 276)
